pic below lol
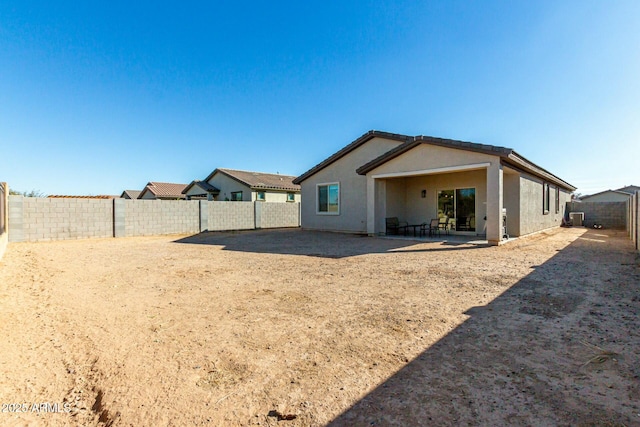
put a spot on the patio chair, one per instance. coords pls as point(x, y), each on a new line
point(430, 228)
point(444, 225)
point(394, 225)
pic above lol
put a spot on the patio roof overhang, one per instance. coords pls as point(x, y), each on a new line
point(433, 171)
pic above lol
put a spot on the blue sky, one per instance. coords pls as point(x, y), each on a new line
point(98, 97)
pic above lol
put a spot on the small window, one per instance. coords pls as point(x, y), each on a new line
point(557, 200)
point(261, 196)
point(546, 199)
point(291, 197)
point(328, 199)
point(236, 196)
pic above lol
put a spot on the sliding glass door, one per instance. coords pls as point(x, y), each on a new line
point(459, 206)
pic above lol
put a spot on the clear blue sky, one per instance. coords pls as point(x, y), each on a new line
point(98, 97)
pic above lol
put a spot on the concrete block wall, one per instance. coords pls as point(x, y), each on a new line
point(613, 215)
point(231, 216)
point(276, 215)
point(35, 219)
point(156, 217)
point(4, 217)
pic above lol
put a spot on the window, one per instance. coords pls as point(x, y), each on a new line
point(236, 196)
point(261, 196)
point(328, 201)
point(546, 198)
point(557, 200)
point(291, 197)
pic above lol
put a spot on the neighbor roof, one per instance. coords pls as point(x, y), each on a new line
point(629, 189)
point(64, 196)
point(259, 180)
point(620, 192)
point(164, 190)
point(133, 194)
point(508, 155)
point(202, 184)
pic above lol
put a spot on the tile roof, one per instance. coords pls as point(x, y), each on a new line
point(508, 155)
point(164, 190)
point(64, 196)
point(133, 194)
point(631, 189)
point(260, 180)
point(202, 184)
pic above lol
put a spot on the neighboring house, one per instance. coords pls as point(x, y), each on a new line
point(162, 191)
point(420, 178)
point(245, 186)
point(200, 190)
point(620, 195)
point(130, 194)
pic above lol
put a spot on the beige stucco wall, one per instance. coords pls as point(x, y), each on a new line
point(403, 195)
point(353, 190)
point(532, 216)
point(511, 201)
point(227, 186)
point(275, 196)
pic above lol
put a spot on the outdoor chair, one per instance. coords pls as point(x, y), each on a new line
point(444, 224)
point(394, 226)
point(430, 228)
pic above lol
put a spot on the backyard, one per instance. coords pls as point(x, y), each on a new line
point(300, 328)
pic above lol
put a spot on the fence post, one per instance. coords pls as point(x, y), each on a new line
point(204, 215)
point(257, 214)
point(119, 208)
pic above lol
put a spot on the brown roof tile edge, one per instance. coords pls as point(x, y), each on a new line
point(349, 148)
point(259, 180)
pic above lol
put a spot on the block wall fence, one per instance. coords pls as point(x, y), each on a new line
point(4, 217)
point(35, 219)
point(609, 214)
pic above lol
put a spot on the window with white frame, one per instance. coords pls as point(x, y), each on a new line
point(236, 196)
point(291, 197)
point(557, 199)
point(328, 198)
point(261, 196)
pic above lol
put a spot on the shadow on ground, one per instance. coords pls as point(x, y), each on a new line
point(318, 243)
point(558, 348)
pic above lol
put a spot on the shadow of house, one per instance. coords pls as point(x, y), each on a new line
point(320, 244)
point(557, 348)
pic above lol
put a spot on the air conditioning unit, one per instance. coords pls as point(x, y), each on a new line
point(577, 218)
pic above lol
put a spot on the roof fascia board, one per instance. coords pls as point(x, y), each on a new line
point(349, 148)
point(447, 169)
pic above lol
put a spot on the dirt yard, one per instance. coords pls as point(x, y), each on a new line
point(296, 328)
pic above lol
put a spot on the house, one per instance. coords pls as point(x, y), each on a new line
point(420, 178)
point(162, 191)
point(130, 194)
point(245, 186)
point(200, 190)
point(620, 195)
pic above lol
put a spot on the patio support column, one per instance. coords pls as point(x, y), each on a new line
point(371, 206)
point(494, 202)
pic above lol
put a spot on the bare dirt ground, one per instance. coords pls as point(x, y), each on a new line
point(296, 328)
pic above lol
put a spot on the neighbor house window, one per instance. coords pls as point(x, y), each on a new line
point(291, 197)
point(261, 196)
point(546, 198)
point(557, 200)
point(328, 201)
point(236, 196)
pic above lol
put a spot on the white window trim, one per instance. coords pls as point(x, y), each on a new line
point(322, 184)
